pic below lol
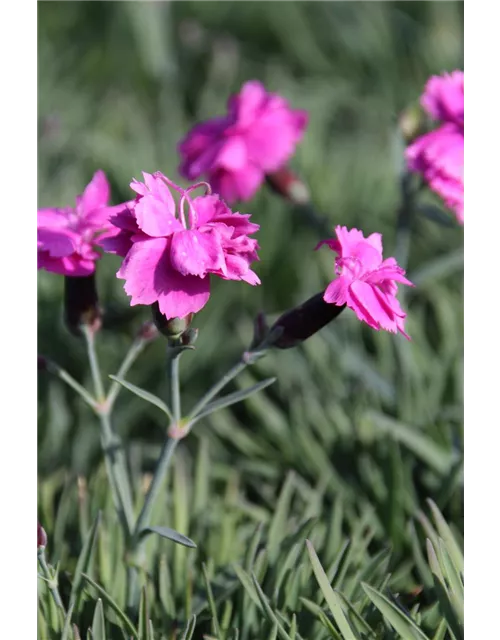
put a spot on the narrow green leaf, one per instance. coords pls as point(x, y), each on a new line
point(401, 623)
point(279, 522)
point(448, 537)
point(454, 581)
point(67, 624)
point(445, 604)
point(145, 395)
point(232, 398)
point(165, 588)
point(253, 546)
point(170, 534)
point(151, 630)
point(83, 564)
point(191, 626)
point(293, 627)
point(421, 445)
point(98, 622)
point(270, 613)
point(143, 616)
point(331, 597)
point(441, 630)
point(247, 583)
point(113, 605)
point(211, 602)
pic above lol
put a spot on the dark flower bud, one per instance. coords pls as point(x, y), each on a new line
point(41, 537)
point(300, 323)
point(289, 185)
point(81, 304)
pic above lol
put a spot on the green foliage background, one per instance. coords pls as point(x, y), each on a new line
point(360, 419)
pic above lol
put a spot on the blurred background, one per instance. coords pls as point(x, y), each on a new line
point(353, 411)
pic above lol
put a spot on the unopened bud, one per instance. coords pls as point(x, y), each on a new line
point(42, 537)
point(173, 328)
point(260, 330)
point(148, 331)
point(81, 304)
point(289, 185)
point(189, 337)
point(411, 122)
point(300, 323)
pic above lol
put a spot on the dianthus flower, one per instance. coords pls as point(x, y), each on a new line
point(365, 282)
point(439, 155)
point(236, 152)
point(67, 238)
point(169, 254)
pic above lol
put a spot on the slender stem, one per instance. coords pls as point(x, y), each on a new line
point(156, 484)
point(94, 363)
point(211, 393)
point(117, 474)
point(51, 582)
point(175, 390)
point(135, 349)
point(76, 386)
point(111, 444)
point(405, 217)
point(144, 519)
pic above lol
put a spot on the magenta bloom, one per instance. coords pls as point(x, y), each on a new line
point(169, 256)
point(67, 238)
point(439, 155)
point(256, 137)
point(366, 283)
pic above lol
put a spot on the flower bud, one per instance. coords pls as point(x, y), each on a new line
point(300, 323)
point(173, 328)
point(81, 304)
point(42, 537)
point(148, 331)
point(289, 185)
point(411, 122)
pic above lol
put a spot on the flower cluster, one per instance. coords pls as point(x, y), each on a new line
point(439, 155)
point(172, 241)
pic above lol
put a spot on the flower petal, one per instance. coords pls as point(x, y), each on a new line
point(142, 270)
point(96, 194)
point(196, 253)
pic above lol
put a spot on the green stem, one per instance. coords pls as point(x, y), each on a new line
point(116, 469)
point(211, 393)
point(94, 363)
point(136, 544)
point(143, 520)
point(405, 218)
point(175, 389)
point(51, 581)
point(135, 349)
point(111, 444)
point(76, 386)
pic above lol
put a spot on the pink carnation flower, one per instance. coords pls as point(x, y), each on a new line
point(169, 256)
point(439, 155)
point(366, 283)
point(236, 151)
point(67, 238)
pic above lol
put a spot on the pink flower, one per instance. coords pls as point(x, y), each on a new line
point(256, 137)
point(41, 537)
point(366, 283)
point(439, 155)
point(67, 238)
point(168, 256)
